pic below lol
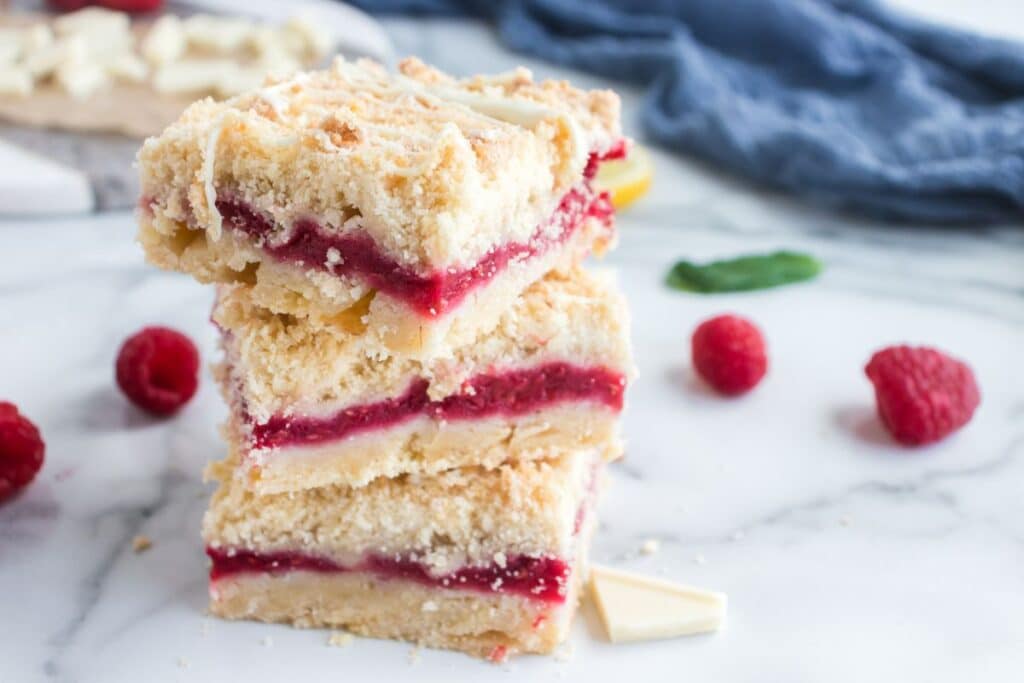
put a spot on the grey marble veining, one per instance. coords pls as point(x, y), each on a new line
point(845, 557)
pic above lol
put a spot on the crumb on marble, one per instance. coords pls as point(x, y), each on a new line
point(650, 546)
point(844, 521)
point(700, 559)
point(141, 543)
point(267, 641)
point(182, 663)
point(414, 655)
point(340, 639)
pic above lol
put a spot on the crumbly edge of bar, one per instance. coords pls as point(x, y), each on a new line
point(425, 447)
point(490, 626)
point(468, 516)
point(281, 364)
point(391, 326)
point(433, 181)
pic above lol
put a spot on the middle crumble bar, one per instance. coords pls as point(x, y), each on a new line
point(310, 407)
point(437, 199)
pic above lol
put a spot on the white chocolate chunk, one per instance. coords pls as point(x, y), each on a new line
point(44, 61)
point(10, 47)
point(305, 37)
point(217, 34)
point(128, 67)
point(193, 75)
point(15, 80)
point(36, 37)
point(165, 41)
point(81, 78)
point(635, 607)
point(93, 20)
point(239, 79)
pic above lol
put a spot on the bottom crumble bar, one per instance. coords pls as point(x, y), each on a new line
point(488, 562)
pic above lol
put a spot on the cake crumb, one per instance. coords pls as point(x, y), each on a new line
point(182, 663)
point(650, 546)
point(414, 655)
point(267, 641)
point(700, 559)
point(204, 628)
point(565, 652)
point(340, 639)
point(141, 543)
point(844, 521)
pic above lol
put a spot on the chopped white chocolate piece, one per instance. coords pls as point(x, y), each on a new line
point(10, 47)
point(15, 80)
point(635, 607)
point(239, 79)
point(217, 34)
point(193, 75)
point(94, 20)
point(81, 78)
point(45, 60)
point(304, 36)
point(128, 67)
point(36, 37)
point(165, 41)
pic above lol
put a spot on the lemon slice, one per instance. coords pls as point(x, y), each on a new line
point(626, 179)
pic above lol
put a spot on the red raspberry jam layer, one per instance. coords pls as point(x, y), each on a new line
point(430, 295)
point(539, 578)
point(510, 393)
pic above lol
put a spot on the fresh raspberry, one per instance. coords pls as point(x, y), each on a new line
point(158, 369)
point(131, 6)
point(69, 5)
point(922, 394)
point(21, 450)
point(729, 353)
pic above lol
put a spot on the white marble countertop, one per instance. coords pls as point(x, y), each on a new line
point(845, 557)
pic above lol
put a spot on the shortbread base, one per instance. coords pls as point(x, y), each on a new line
point(475, 623)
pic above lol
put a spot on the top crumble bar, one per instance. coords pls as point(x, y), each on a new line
point(414, 195)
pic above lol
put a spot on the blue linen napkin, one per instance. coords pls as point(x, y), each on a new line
point(847, 102)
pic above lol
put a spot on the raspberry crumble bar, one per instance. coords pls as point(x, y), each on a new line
point(310, 405)
point(489, 562)
point(429, 202)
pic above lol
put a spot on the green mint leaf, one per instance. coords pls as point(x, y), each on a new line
point(743, 274)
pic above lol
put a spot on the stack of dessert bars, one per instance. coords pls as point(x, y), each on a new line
point(424, 385)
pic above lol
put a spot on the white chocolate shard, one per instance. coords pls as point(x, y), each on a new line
point(15, 81)
point(635, 607)
point(165, 41)
point(307, 38)
point(218, 34)
point(128, 67)
point(193, 75)
point(81, 78)
point(92, 20)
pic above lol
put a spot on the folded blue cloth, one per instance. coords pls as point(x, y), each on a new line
point(844, 101)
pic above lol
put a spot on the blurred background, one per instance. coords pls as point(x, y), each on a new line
point(883, 139)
